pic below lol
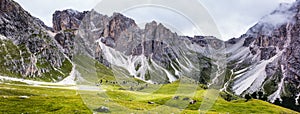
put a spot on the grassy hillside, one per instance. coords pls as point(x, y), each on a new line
point(51, 100)
point(41, 100)
point(125, 101)
point(15, 58)
point(123, 96)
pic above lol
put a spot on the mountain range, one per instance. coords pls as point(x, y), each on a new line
point(265, 59)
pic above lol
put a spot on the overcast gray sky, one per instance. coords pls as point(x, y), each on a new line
point(233, 17)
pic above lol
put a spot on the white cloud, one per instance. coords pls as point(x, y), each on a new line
point(176, 22)
point(233, 17)
point(44, 9)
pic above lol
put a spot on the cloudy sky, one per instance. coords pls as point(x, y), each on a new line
point(232, 17)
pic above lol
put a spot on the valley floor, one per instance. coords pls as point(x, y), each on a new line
point(23, 98)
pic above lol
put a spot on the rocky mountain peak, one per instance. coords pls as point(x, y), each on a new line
point(67, 19)
point(32, 51)
point(268, 56)
point(9, 6)
point(154, 25)
point(15, 20)
point(119, 23)
point(161, 27)
point(150, 25)
point(122, 21)
point(157, 31)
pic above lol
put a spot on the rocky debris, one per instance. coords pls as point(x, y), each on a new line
point(149, 102)
point(24, 97)
point(200, 40)
point(267, 53)
point(193, 101)
point(248, 41)
point(232, 41)
point(175, 97)
point(102, 109)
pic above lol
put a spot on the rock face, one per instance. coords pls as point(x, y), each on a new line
point(266, 58)
point(65, 24)
point(66, 40)
point(28, 49)
point(67, 20)
point(154, 54)
point(154, 50)
point(102, 109)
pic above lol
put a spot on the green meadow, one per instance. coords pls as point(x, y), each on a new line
point(121, 101)
point(124, 95)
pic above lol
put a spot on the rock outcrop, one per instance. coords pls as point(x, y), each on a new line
point(65, 24)
point(67, 20)
point(266, 58)
point(29, 49)
point(154, 51)
point(120, 42)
